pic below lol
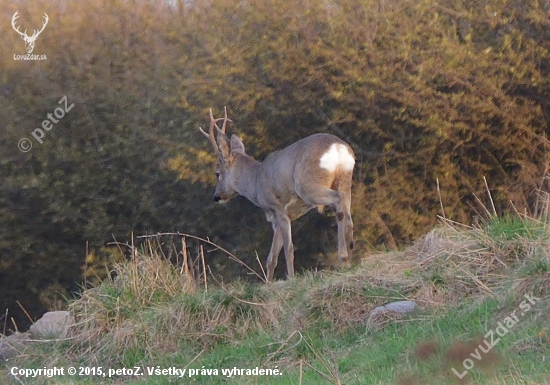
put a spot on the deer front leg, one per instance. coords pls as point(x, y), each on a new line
point(273, 257)
point(276, 245)
point(282, 236)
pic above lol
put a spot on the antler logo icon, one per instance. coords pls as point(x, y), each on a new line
point(29, 40)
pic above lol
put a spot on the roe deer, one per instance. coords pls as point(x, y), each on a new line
point(312, 172)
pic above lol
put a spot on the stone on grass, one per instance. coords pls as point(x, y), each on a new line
point(53, 325)
point(383, 315)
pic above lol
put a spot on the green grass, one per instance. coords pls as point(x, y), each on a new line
point(509, 227)
point(313, 329)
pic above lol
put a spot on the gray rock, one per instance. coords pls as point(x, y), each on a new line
point(52, 325)
point(401, 307)
point(382, 315)
point(13, 345)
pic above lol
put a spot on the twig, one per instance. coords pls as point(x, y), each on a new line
point(320, 373)
point(25, 311)
point(185, 267)
point(261, 266)
point(193, 360)
point(482, 205)
point(5, 321)
point(204, 269)
point(14, 324)
point(490, 197)
point(231, 256)
point(284, 344)
point(440, 200)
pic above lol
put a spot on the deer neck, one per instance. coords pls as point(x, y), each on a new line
point(245, 170)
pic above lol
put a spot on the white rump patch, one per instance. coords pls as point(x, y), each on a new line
point(337, 155)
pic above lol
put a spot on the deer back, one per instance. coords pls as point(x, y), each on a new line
point(316, 161)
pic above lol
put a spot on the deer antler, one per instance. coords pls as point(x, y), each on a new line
point(225, 120)
point(36, 33)
point(210, 134)
point(213, 123)
point(15, 16)
point(24, 34)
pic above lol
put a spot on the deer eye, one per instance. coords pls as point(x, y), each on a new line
point(217, 175)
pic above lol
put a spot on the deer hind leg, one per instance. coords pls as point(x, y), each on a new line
point(340, 201)
point(345, 237)
point(343, 185)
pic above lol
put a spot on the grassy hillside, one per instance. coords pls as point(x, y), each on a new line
point(482, 294)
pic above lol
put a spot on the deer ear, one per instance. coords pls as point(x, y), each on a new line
point(223, 145)
point(237, 146)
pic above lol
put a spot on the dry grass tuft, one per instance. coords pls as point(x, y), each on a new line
point(346, 299)
point(458, 260)
point(382, 319)
point(153, 303)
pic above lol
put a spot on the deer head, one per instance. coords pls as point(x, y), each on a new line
point(29, 40)
point(226, 151)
